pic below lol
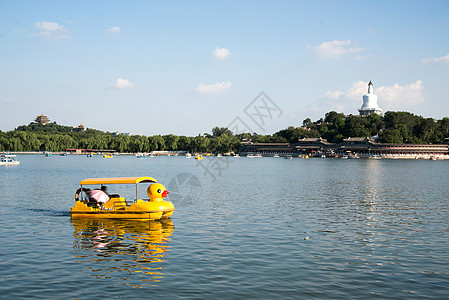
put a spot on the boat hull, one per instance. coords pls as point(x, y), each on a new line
point(117, 209)
point(10, 163)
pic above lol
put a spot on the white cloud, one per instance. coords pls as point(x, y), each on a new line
point(50, 30)
point(48, 26)
point(355, 92)
point(444, 59)
point(213, 88)
point(221, 53)
point(334, 95)
point(123, 84)
point(114, 29)
point(336, 49)
point(395, 96)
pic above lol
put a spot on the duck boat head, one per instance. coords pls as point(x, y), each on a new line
point(157, 192)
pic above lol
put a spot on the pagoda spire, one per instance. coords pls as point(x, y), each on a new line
point(370, 105)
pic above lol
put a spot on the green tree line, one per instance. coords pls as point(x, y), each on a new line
point(53, 137)
point(393, 127)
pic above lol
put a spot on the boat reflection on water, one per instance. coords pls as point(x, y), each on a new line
point(121, 249)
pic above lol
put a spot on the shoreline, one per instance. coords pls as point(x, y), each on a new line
point(182, 153)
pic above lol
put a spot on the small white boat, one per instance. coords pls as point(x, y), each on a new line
point(141, 155)
point(276, 155)
point(151, 155)
point(258, 155)
point(8, 160)
point(188, 155)
point(323, 156)
point(219, 155)
point(288, 157)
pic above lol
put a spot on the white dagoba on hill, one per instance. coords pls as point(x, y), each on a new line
point(370, 105)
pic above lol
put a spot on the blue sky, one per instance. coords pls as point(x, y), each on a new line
point(184, 67)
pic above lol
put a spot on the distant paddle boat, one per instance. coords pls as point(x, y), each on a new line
point(97, 204)
point(8, 160)
point(199, 157)
point(288, 157)
point(276, 155)
point(108, 155)
point(63, 154)
point(47, 154)
point(188, 155)
point(141, 155)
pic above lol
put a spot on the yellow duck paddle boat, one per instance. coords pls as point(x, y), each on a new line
point(108, 155)
point(116, 207)
point(199, 157)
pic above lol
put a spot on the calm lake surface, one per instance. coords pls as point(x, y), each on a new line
point(376, 228)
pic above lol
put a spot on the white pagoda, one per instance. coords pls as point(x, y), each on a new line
point(370, 105)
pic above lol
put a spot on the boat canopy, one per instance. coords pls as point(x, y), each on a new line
point(117, 180)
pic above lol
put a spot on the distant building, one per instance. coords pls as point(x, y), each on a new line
point(370, 105)
point(120, 133)
point(80, 127)
point(360, 145)
point(42, 119)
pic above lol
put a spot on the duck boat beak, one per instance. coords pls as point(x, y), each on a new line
point(165, 194)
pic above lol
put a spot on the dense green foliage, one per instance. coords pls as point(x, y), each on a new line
point(393, 127)
point(53, 137)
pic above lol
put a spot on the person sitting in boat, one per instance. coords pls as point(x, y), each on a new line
point(100, 196)
point(105, 190)
point(86, 195)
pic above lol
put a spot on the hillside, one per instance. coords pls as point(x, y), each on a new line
point(393, 127)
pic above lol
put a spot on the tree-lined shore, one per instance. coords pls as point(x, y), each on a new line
point(393, 127)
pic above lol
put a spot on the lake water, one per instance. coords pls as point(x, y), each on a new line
point(375, 228)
